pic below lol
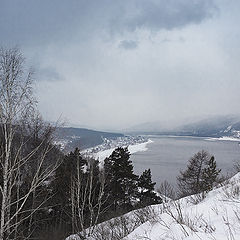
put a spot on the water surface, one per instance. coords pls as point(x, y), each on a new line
point(166, 156)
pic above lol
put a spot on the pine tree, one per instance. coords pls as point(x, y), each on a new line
point(122, 184)
point(147, 196)
point(210, 174)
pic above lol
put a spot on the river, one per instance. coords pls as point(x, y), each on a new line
point(167, 155)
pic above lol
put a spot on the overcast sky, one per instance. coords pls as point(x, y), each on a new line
point(113, 64)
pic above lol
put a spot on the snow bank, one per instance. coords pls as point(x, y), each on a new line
point(140, 147)
point(224, 139)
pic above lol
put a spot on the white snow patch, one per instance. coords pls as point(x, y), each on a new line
point(224, 139)
point(140, 147)
point(228, 129)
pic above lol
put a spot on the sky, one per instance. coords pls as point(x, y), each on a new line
point(111, 65)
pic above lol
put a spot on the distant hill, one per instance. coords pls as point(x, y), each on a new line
point(70, 138)
point(211, 127)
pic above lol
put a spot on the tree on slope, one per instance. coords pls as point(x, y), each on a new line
point(210, 174)
point(146, 194)
point(121, 181)
point(200, 175)
point(79, 188)
point(71, 165)
point(16, 111)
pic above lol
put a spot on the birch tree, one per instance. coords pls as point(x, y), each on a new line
point(17, 106)
point(87, 198)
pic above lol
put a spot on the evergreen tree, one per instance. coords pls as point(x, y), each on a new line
point(210, 174)
point(146, 194)
point(122, 182)
point(61, 185)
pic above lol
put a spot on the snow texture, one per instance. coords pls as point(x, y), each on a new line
point(213, 216)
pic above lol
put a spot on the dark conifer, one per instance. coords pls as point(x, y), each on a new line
point(62, 184)
point(210, 174)
point(122, 184)
point(147, 196)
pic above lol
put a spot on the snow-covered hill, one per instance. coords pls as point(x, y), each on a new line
point(215, 216)
point(215, 127)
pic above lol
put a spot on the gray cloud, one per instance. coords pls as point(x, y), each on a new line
point(128, 44)
point(43, 21)
point(48, 74)
point(170, 14)
point(184, 62)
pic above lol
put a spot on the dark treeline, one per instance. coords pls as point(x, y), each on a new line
point(86, 192)
point(81, 192)
point(75, 194)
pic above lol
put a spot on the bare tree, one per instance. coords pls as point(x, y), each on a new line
point(87, 198)
point(17, 106)
point(236, 167)
point(166, 191)
point(200, 175)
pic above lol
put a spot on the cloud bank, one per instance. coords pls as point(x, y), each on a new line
point(112, 64)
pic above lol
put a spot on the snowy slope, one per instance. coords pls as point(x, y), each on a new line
point(215, 217)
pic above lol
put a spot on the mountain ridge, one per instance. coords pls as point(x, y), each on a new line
point(211, 127)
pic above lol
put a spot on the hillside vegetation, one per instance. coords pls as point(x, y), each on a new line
point(215, 215)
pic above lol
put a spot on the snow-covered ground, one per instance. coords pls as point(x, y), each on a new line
point(224, 139)
point(215, 217)
point(139, 147)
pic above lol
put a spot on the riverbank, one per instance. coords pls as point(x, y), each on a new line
point(139, 147)
point(224, 139)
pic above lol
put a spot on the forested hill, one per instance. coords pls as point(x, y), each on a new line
point(69, 138)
